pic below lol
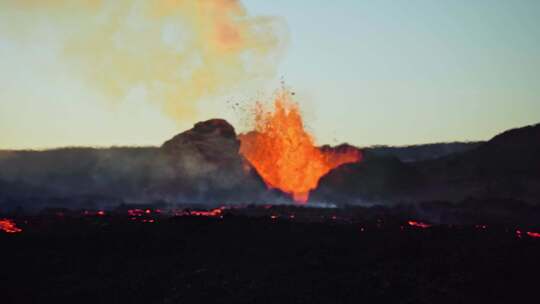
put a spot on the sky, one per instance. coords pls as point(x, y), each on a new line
point(364, 72)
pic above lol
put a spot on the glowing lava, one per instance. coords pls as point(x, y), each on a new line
point(212, 213)
point(217, 212)
point(533, 234)
point(284, 153)
point(418, 224)
point(9, 226)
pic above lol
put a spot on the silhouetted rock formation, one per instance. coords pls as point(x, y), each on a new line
point(423, 152)
point(507, 166)
point(373, 180)
point(211, 142)
point(513, 153)
point(201, 165)
point(204, 165)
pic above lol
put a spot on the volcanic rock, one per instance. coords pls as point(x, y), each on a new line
point(422, 152)
point(511, 153)
point(507, 166)
point(203, 164)
point(343, 148)
point(213, 142)
point(372, 180)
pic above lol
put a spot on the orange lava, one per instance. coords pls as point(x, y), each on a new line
point(138, 212)
point(211, 213)
point(533, 234)
point(284, 153)
point(216, 212)
point(418, 224)
point(9, 226)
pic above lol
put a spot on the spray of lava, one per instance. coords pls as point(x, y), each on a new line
point(284, 153)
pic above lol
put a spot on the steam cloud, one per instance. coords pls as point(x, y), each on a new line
point(177, 52)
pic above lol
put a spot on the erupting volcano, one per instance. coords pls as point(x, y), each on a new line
point(284, 153)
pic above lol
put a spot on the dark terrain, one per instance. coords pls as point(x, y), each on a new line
point(442, 223)
point(316, 257)
point(202, 165)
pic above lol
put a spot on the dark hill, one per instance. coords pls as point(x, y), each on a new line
point(507, 166)
point(375, 179)
point(203, 165)
point(415, 153)
point(200, 165)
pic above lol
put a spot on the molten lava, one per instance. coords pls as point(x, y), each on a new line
point(216, 212)
point(533, 234)
point(9, 226)
point(418, 224)
point(211, 213)
point(284, 153)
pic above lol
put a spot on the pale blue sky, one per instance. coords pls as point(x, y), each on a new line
point(403, 72)
point(365, 72)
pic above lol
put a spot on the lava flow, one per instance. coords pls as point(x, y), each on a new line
point(533, 234)
point(9, 226)
point(284, 153)
point(418, 224)
point(216, 212)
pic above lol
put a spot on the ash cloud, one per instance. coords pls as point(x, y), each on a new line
point(177, 52)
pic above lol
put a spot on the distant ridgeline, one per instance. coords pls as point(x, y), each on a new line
point(202, 165)
point(415, 153)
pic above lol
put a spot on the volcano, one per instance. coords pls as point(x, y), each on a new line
point(278, 161)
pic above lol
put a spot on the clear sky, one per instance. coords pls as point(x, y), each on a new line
point(365, 72)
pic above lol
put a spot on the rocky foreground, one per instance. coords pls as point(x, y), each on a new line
point(263, 255)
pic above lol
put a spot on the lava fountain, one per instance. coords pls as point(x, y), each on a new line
point(284, 153)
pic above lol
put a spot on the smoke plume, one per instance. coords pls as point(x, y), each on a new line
point(177, 52)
